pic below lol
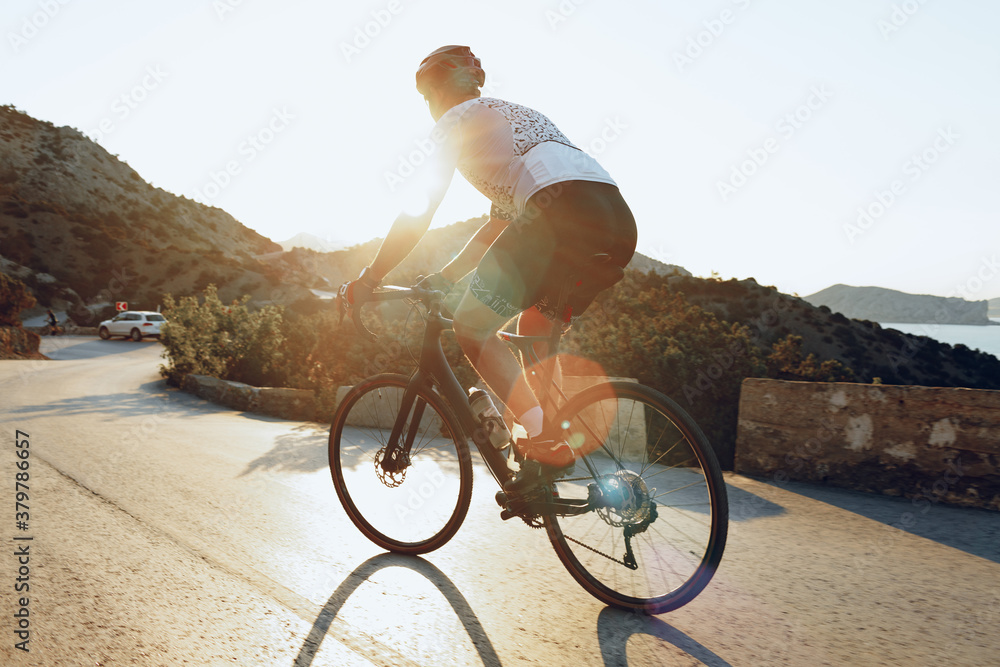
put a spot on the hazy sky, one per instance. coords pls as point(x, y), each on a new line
point(802, 143)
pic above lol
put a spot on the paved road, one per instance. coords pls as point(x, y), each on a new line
point(169, 531)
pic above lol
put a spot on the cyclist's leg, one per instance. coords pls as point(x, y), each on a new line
point(505, 283)
point(476, 327)
point(533, 323)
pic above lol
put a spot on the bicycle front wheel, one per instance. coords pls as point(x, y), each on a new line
point(658, 530)
point(407, 503)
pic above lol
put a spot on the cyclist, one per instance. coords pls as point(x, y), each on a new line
point(553, 208)
point(52, 322)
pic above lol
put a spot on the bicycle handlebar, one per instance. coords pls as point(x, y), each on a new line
point(391, 293)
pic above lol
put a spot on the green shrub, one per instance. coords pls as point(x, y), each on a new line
point(786, 362)
point(643, 330)
point(228, 342)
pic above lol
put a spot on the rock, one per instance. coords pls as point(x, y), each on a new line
point(16, 343)
point(295, 404)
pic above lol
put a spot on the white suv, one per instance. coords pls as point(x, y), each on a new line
point(134, 324)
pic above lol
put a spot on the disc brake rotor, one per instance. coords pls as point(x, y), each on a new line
point(391, 471)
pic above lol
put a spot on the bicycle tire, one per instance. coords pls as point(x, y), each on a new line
point(680, 532)
point(389, 509)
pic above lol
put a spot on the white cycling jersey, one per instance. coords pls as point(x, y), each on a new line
point(509, 152)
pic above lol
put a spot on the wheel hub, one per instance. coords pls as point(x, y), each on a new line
point(626, 499)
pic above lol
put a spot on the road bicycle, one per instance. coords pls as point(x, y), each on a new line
point(640, 523)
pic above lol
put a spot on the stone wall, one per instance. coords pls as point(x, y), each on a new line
point(295, 404)
point(941, 444)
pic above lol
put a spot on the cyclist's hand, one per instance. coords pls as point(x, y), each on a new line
point(354, 293)
point(435, 281)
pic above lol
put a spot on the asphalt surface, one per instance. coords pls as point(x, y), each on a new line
point(167, 531)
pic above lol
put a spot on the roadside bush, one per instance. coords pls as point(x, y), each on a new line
point(655, 335)
point(786, 362)
point(322, 353)
point(228, 342)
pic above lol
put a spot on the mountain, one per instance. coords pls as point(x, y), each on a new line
point(311, 242)
point(884, 305)
point(327, 270)
point(81, 226)
point(864, 346)
point(994, 310)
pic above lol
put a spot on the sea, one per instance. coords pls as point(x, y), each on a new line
point(985, 338)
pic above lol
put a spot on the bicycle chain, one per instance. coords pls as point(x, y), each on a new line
point(599, 553)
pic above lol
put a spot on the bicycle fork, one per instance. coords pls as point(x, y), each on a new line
point(396, 457)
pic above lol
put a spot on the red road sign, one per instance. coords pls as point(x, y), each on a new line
point(121, 305)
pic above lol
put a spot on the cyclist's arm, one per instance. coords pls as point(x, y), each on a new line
point(473, 252)
point(409, 228)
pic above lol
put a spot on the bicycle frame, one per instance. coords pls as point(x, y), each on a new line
point(434, 372)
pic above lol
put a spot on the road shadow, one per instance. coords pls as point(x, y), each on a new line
point(363, 572)
point(302, 450)
point(615, 627)
point(746, 506)
point(71, 348)
point(151, 398)
point(969, 529)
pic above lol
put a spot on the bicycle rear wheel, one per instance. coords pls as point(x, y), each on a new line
point(411, 505)
point(660, 529)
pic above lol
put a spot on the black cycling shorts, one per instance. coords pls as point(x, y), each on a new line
point(551, 245)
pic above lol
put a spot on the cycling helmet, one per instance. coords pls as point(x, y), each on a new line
point(454, 66)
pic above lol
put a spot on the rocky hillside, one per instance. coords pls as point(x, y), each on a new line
point(884, 305)
point(311, 242)
point(327, 270)
point(870, 350)
point(78, 224)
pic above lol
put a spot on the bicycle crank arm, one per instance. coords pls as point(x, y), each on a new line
point(558, 506)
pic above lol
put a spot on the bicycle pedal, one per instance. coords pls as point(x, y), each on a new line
point(507, 514)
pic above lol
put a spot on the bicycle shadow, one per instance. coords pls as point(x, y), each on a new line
point(305, 450)
point(363, 572)
point(615, 627)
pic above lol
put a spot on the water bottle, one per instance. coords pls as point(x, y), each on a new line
point(490, 418)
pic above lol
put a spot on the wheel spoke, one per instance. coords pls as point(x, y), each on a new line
point(408, 504)
point(657, 454)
